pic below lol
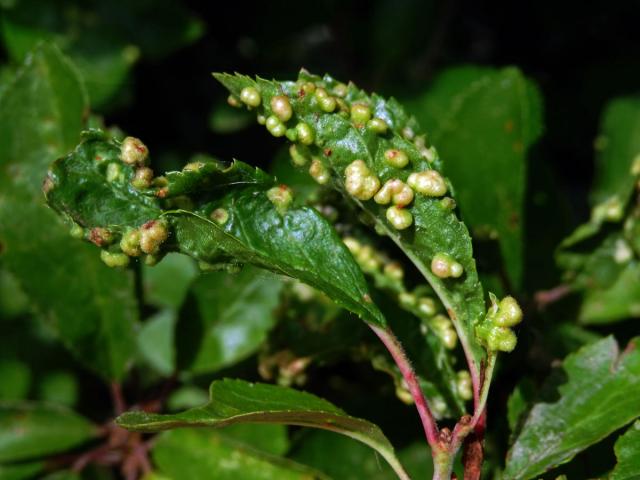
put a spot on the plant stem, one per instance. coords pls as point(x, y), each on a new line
point(481, 398)
point(399, 356)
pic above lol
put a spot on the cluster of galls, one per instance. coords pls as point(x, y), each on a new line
point(495, 331)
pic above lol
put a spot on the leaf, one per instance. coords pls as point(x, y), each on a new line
point(237, 401)
point(156, 342)
point(21, 471)
point(29, 431)
point(193, 454)
point(231, 317)
point(104, 41)
point(297, 242)
point(161, 293)
point(41, 118)
point(16, 379)
point(338, 143)
point(618, 148)
point(484, 131)
point(600, 396)
point(627, 450)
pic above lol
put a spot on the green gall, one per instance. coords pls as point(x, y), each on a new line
point(394, 271)
point(345, 111)
point(219, 215)
point(448, 204)
point(464, 385)
point(305, 133)
point(501, 339)
point(114, 173)
point(378, 125)
point(291, 134)
point(509, 313)
point(360, 113)
point(297, 157)
point(76, 232)
point(394, 190)
point(407, 299)
point(611, 210)
point(360, 182)
point(281, 107)
point(142, 178)
point(152, 260)
point(449, 338)
point(635, 166)
point(234, 101)
point(308, 87)
point(396, 158)
point(281, 197)
point(441, 322)
point(399, 218)
point(133, 151)
point(341, 90)
point(383, 197)
point(443, 266)
point(250, 96)
point(327, 104)
point(319, 172)
point(428, 183)
point(130, 243)
point(152, 235)
point(261, 119)
point(427, 306)
point(275, 126)
point(114, 259)
point(193, 166)
point(321, 93)
point(408, 133)
point(429, 154)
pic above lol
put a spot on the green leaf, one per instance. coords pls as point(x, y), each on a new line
point(59, 387)
point(486, 122)
point(233, 315)
point(338, 142)
point(600, 396)
point(16, 379)
point(162, 293)
point(21, 471)
point(193, 454)
point(297, 241)
point(104, 41)
point(156, 341)
point(627, 450)
point(29, 431)
point(237, 401)
point(618, 147)
point(40, 118)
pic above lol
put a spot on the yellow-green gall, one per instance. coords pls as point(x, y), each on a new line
point(133, 151)
point(396, 158)
point(408, 133)
point(219, 215)
point(142, 178)
point(427, 306)
point(297, 157)
point(327, 104)
point(76, 232)
point(378, 125)
point(261, 119)
point(308, 87)
point(509, 313)
point(281, 197)
point(360, 113)
point(449, 338)
point(193, 166)
point(352, 244)
point(428, 183)
point(400, 218)
point(501, 339)
point(443, 266)
point(611, 210)
point(130, 243)
point(114, 259)
point(250, 96)
point(292, 135)
point(305, 133)
point(394, 190)
point(281, 107)
point(407, 299)
point(275, 126)
point(340, 90)
point(464, 385)
point(394, 271)
point(383, 197)
point(319, 172)
point(152, 235)
point(114, 172)
point(234, 101)
point(429, 154)
point(357, 168)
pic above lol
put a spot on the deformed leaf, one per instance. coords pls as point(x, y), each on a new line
point(237, 401)
point(333, 134)
point(600, 396)
point(29, 431)
point(627, 450)
point(218, 214)
point(90, 307)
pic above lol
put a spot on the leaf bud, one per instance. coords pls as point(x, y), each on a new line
point(399, 217)
point(281, 107)
point(250, 96)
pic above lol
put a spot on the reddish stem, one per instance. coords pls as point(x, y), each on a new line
point(119, 404)
point(399, 356)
